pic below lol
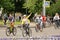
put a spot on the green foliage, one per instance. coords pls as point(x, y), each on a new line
point(53, 8)
point(33, 5)
point(8, 5)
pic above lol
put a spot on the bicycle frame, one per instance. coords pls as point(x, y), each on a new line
point(57, 23)
point(10, 30)
point(38, 26)
point(25, 27)
point(11, 27)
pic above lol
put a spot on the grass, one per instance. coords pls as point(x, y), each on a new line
point(1, 22)
point(16, 22)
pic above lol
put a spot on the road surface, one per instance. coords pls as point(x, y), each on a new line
point(49, 31)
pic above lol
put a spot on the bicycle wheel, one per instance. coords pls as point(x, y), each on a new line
point(43, 25)
point(24, 33)
point(14, 31)
point(48, 24)
point(41, 28)
point(55, 26)
point(8, 31)
point(30, 32)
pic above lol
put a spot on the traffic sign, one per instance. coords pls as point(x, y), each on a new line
point(47, 3)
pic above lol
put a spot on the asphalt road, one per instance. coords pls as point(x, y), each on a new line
point(47, 32)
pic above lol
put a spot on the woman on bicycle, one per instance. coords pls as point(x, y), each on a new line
point(56, 19)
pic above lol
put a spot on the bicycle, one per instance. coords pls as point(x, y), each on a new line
point(39, 26)
point(56, 24)
point(11, 29)
point(48, 23)
point(26, 30)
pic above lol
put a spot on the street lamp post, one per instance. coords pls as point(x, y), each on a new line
point(27, 7)
point(44, 12)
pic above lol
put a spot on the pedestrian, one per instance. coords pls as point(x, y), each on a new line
point(5, 18)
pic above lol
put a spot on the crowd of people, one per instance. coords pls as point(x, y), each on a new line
point(9, 18)
point(38, 19)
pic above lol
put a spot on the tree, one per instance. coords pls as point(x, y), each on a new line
point(8, 5)
point(33, 6)
point(54, 8)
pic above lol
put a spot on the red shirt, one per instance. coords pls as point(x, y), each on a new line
point(44, 18)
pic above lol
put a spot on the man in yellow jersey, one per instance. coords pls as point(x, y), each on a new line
point(25, 19)
point(25, 23)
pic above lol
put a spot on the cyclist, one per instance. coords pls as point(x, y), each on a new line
point(25, 21)
point(43, 20)
point(38, 21)
point(56, 19)
point(11, 20)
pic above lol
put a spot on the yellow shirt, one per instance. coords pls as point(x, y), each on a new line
point(25, 21)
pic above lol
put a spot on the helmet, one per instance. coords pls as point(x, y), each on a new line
point(24, 15)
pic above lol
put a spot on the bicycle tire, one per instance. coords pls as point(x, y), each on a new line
point(8, 31)
point(30, 32)
point(24, 33)
point(55, 26)
point(14, 31)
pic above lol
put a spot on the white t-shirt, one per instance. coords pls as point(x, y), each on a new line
point(38, 20)
point(56, 18)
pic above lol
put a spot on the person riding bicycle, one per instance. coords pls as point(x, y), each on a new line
point(38, 21)
point(25, 21)
point(56, 19)
point(11, 20)
point(11, 28)
point(44, 20)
